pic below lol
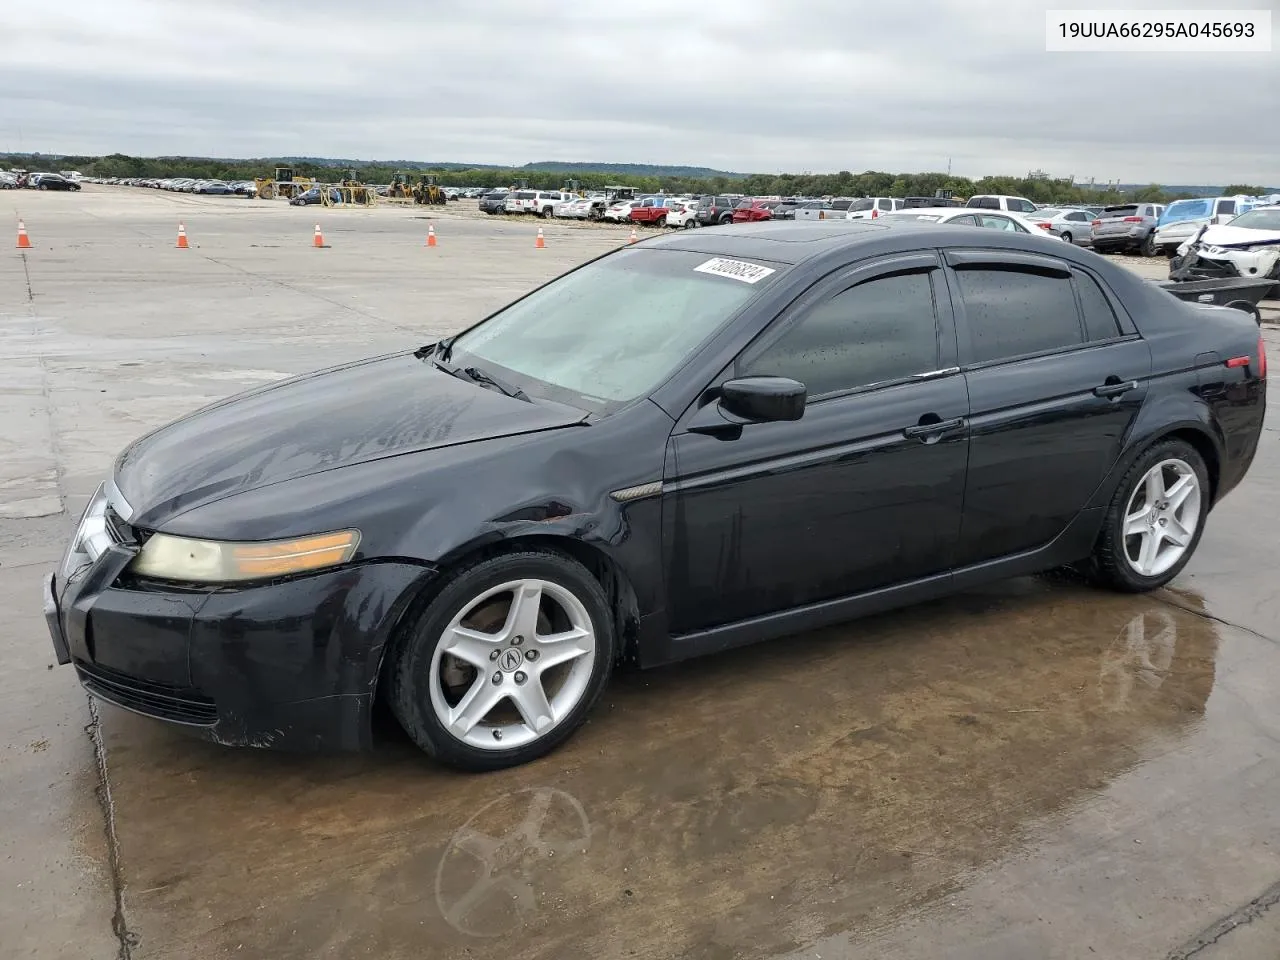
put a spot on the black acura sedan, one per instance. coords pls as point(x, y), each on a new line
point(688, 444)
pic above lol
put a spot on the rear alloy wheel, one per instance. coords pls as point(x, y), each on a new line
point(1155, 520)
point(1066, 235)
point(506, 662)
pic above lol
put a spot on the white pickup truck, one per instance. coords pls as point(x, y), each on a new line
point(845, 209)
point(817, 210)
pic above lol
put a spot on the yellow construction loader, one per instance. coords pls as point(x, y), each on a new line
point(423, 192)
point(283, 184)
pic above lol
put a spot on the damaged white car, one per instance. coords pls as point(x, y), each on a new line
point(1248, 246)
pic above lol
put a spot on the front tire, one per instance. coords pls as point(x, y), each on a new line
point(506, 661)
point(1155, 519)
point(1148, 248)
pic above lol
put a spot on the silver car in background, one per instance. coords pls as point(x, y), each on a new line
point(1127, 227)
point(1067, 223)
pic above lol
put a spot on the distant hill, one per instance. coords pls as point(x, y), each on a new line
point(541, 166)
point(1197, 190)
point(630, 169)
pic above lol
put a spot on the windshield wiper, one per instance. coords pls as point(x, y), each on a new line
point(479, 376)
point(443, 348)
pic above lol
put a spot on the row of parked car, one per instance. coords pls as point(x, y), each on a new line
point(20, 179)
point(240, 188)
point(1145, 228)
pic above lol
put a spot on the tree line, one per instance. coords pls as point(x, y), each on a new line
point(871, 183)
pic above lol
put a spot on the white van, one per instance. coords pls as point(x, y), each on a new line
point(989, 201)
point(1182, 219)
point(869, 208)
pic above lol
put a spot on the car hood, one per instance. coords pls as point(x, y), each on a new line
point(355, 413)
point(1229, 236)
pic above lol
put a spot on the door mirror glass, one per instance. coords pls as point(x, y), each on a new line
point(764, 399)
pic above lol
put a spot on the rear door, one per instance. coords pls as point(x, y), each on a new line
point(1056, 373)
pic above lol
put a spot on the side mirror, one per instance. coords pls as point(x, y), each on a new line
point(764, 399)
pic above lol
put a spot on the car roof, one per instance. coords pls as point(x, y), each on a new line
point(790, 242)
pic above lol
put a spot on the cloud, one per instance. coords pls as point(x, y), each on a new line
point(752, 85)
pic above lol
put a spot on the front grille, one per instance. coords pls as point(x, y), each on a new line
point(119, 530)
point(176, 704)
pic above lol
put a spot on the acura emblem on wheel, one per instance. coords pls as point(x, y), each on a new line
point(511, 659)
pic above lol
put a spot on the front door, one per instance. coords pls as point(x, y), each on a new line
point(1056, 374)
point(864, 491)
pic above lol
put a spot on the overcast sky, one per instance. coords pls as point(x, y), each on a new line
point(746, 85)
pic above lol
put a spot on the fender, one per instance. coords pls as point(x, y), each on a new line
point(1161, 416)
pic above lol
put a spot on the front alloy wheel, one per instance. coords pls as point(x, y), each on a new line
point(506, 661)
point(513, 663)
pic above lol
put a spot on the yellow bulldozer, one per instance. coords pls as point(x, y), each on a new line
point(424, 192)
point(283, 184)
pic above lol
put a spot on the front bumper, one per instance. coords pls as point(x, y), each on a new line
point(1226, 262)
point(291, 664)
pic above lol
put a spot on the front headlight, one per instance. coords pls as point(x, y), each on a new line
point(216, 561)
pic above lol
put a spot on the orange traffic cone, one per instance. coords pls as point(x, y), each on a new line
point(24, 242)
point(319, 238)
point(431, 235)
point(182, 237)
point(540, 242)
point(634, 238)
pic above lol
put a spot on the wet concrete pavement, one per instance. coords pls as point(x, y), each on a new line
point(1036, 769)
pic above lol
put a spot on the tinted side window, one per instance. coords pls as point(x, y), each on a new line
point(968, 220)
point(989, 203)
point(883, 329)
point(1012, 312)
point(1227, 206)
point(1022, 206)
point(1100, 321)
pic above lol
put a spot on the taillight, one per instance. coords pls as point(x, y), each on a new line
point(1132, 219)
point(1096, 223)
point(1044, 226)
point(1262, 359)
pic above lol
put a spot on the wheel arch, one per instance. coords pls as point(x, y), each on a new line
point(1198, 435)
point(612, 578)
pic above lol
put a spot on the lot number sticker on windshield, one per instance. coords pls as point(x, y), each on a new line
point(735, 270)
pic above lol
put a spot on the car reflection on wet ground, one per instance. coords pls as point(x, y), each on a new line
point(1035, 769)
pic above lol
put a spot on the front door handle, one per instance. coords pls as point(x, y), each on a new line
point(928, 431)
point(1114, 387)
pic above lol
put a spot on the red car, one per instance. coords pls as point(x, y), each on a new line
point(652, 210)
point(749, 211)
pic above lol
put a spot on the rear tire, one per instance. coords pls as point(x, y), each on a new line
point(1121, 559)
point(1148, 248)
point(466, 616)
point(1066, 235)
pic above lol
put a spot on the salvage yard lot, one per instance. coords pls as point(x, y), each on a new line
point(1000, 770)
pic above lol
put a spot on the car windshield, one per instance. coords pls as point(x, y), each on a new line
point(1126, 211)
point(1266, 219)
point(614, 329)
point(1181, 210)
point(1046, 213)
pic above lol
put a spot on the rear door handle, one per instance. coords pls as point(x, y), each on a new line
point(926, 430)
point(1114, 388)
